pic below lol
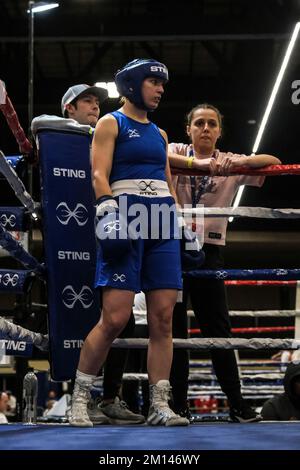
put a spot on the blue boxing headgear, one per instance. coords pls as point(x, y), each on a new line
point(130, 78)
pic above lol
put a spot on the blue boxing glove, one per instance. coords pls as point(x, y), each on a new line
point(111, 229)
point(192, 256)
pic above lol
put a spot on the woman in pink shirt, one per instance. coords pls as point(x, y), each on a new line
point(208, 297)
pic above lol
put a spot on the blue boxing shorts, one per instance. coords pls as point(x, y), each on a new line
point(154, 261)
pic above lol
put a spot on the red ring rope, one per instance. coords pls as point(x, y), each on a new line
point(260, 283)
point(270, 170)
point(258, 329)
point(11, 117)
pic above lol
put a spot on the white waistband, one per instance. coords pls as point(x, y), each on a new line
point(142, 187)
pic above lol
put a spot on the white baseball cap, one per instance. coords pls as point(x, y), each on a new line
point(75, 91)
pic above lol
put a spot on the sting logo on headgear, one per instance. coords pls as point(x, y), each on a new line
point(130, 78)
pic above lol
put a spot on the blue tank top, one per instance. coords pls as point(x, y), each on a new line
point(140, 151)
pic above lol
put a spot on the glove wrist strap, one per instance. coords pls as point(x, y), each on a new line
point(105, 205)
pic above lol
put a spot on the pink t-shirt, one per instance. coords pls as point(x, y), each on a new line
point(219, 192)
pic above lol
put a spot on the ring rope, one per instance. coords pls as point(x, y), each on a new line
point(14, 218)
point(16, 332)
point(12, 120)
point(253, 212)
point(222, 274)
point(270, 170)
point(213, 389)
point(261, 313)
point(16, 280)
point(13, 331)
point(214, 343)
point(141, 314)
point(260, 283)
point(16, 250)
point(220, 395)
point(17, 186)
point(202, 363)
point(203, 377)
point(252, 329)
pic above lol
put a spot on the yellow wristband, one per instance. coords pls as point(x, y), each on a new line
point(189, 162)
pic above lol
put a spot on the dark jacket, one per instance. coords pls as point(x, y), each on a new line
point(284, 407)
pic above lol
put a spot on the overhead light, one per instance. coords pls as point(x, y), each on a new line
point(41, 6)
point(110, 87)
point(270, 104)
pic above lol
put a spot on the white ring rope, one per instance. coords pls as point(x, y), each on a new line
point(214, 343)
point(264, 313)
point(18, 187)
point(254, 212)
point(212, 389)
point(262, 377)
point(141, 314)
point(202, 377)
point(18, 333)
point(255, 367)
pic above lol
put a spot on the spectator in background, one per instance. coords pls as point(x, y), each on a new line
point(3, 407)
point(285, 407)
point(12, 404)
point(49, 405)
point(286, 356)
point(52, 395)
point(51, 400)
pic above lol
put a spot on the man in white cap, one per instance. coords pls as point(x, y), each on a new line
point(82, 103)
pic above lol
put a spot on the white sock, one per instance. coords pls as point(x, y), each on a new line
point(83, 378)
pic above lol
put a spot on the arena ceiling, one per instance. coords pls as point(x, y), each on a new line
point(227, 52)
